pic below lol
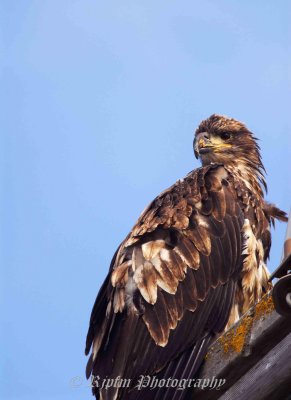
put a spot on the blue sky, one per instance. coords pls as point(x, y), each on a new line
point(100, 101)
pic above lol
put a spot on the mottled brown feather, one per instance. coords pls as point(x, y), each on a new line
point(174, 277)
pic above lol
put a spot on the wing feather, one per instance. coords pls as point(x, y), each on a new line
point(171, 282)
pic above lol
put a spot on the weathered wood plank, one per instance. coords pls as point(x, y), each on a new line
point(269, 379)
point(241, 348)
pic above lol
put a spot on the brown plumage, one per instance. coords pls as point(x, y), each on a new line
point(191, 265)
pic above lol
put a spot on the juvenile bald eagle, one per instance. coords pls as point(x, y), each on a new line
point(191, 265)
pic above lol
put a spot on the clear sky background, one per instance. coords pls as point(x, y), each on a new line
point(100, 101)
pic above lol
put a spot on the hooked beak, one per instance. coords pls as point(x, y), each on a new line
point(202, 144)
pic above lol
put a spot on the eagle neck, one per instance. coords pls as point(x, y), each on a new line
point(252, 177)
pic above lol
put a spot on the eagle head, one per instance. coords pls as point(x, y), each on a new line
point(219, 139)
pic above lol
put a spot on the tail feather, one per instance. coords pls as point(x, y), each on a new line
point(274, 213)
point(183, 367)
point(190, 369)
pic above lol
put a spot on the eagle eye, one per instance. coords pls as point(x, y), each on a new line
point(225, 135)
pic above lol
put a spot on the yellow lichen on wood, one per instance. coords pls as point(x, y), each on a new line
point(263, 307)
point(235, 338)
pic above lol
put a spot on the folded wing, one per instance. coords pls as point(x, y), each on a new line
point(171, 284)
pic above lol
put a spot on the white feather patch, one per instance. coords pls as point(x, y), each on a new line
point(146, 281)
point(201, 221)
point(151, 249)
